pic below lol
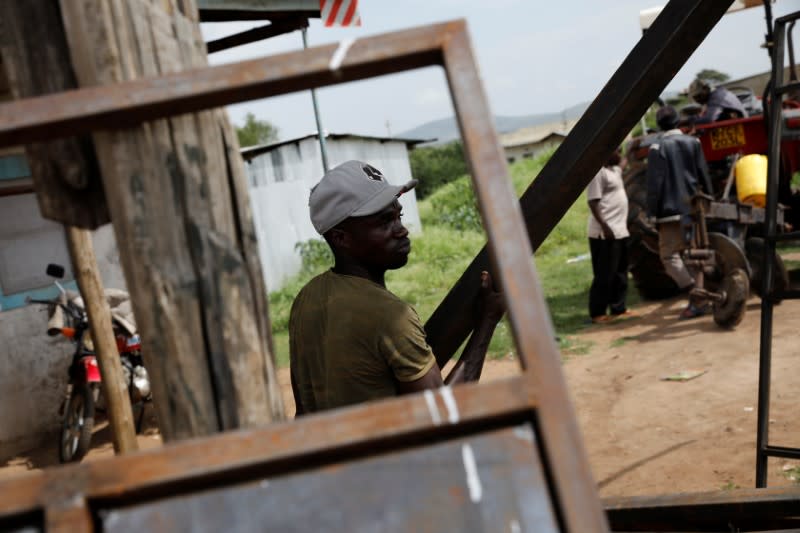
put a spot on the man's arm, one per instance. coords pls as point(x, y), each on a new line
point(702, 169)
point(656, 168)
point(298, 401)
point(470, 364)
point(594, 207)
point(594, 193)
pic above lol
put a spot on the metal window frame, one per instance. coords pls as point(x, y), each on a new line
point(538, 396)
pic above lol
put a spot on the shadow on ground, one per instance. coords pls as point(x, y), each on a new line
point(46, 454)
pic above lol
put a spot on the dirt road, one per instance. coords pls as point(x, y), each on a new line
point(645, 435)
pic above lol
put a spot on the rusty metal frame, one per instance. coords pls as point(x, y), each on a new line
point(776, 89)
point(736, 510)
point(394, 422)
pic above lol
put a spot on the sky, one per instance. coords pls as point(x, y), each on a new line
point(534, 57)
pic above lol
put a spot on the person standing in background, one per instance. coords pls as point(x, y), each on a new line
point(676, 171)
point(608, 242)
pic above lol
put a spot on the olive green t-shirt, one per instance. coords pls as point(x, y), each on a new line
point(350, 339)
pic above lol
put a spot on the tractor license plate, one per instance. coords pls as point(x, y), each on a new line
point(727, 137)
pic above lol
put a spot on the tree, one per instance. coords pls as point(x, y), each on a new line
point(256, 131)
point(434, 166)
point(713, 75)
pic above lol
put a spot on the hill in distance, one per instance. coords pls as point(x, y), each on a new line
point(446, 130)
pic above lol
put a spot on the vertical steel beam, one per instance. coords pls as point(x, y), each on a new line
point(773, 174)
point(653, 62)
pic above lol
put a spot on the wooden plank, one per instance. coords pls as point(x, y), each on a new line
point(115, 389)
point(65, 172)
point(169, 187)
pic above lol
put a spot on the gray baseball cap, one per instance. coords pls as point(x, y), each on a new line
point(353, 189)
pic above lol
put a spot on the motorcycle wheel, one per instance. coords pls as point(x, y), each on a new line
point(77, 425)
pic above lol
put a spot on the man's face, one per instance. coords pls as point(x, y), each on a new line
point(701, 96)
point(378, 241)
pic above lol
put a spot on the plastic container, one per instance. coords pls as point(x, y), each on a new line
point(751, 179)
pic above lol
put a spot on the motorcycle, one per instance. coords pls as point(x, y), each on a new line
point(84, 394)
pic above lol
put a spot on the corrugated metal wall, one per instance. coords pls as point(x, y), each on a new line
point(281, 180)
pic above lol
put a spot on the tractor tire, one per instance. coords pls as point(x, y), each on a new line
point(728, 257)
point(736, 286)
point(755, 248)
point(644, 262)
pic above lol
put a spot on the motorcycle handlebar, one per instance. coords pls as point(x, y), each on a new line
point(74, 313)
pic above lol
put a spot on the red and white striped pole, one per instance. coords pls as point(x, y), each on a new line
point(339, 12)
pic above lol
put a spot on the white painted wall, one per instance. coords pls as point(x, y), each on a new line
point(33, 366)
point(281, 180)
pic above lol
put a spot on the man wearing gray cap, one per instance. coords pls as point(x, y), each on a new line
point(350, 339)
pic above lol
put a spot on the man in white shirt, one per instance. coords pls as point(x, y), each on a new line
point(608, 242)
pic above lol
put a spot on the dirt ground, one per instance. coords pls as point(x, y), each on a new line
point(645, 435)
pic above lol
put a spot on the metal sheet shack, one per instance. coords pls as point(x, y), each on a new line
point(282, 174)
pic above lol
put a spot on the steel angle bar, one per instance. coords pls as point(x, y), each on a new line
point(770, 223)
point(129, 103)
point(277, 449)
point(643, 75)
point(257, 34)
point(782, 451)
point(574, 486)
point(760, 509)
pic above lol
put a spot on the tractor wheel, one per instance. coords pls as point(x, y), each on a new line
point(755, 248)
point(649, 276)
point(729, 256)
point(736, 287)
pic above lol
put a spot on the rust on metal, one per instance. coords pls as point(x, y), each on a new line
point(511, 254)
point(124, 104)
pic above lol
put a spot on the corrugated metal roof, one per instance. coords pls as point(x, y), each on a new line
point(535, 134)
point(252, 151)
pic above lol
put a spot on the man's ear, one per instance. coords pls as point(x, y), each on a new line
point(338, 238)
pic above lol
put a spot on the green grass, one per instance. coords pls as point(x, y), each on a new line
point(441, 253)
point(792, 473)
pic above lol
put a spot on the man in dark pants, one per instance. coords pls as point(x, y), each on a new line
point(350, 339)
point(676, 170)
point(608, 242)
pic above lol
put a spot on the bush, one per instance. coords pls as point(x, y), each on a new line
point(315, 254)
point(435, 166)
point(455, 207)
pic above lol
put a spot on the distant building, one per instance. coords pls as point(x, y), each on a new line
point(281, 176)
point(527, 143)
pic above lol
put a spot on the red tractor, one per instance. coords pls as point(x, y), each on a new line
point(729, 229)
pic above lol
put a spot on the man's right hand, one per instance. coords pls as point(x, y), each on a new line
point(491, 305)
point(608, 233)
